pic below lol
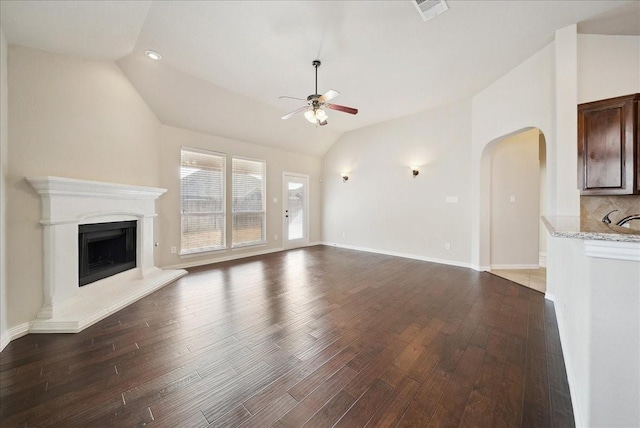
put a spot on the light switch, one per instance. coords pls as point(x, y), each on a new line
point(275, 200)
point(512, 198)
point(451, 199)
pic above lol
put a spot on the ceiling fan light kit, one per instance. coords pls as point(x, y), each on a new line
point(316, 103)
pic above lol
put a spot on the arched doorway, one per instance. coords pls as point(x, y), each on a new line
point(513, 193)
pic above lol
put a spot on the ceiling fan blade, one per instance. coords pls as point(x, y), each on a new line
point(331, 94)
point(343, 109)
point(293, 113)
point(293, 98)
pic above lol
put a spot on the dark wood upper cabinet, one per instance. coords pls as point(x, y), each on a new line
point(609, 147)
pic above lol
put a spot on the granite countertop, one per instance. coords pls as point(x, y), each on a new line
point(574, 227)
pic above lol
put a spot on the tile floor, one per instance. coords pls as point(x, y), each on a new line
point(532, 278)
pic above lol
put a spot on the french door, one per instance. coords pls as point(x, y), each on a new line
point(295, 204)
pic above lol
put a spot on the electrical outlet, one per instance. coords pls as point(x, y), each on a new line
point(344, 234)
point(275, 237)
point(447, 246)
point(174, 250)
point(512, 198)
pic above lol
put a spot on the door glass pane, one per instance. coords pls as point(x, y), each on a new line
point(296, 210)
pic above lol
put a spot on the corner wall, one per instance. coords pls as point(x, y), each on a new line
point(607, 66)
point(4, 120)
point(70, 117)
point(382, 207)
point(522, 99)
point(278, 161)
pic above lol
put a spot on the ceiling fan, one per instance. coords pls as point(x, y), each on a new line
point(314, 112)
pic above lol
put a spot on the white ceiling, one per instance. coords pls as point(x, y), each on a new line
point(379, 54)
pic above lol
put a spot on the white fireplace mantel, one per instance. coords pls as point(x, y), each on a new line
point(67, 203)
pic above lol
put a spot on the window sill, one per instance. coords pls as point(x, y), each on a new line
point(253, 244)
point(201, 253)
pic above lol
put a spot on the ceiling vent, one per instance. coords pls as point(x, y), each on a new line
point(430, 8)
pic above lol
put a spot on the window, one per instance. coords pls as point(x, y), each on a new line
point(202, 177)
point(248, 190)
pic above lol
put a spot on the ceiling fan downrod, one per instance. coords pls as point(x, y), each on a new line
point(316, 63)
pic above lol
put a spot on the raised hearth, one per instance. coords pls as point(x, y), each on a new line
point(66, 205)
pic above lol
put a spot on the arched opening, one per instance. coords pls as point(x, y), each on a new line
point(513, 198)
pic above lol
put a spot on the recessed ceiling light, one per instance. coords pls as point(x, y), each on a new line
point(153, 55)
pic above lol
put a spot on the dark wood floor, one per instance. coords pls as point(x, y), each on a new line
point(311, 337)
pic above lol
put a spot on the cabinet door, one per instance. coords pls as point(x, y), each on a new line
point(606, 147)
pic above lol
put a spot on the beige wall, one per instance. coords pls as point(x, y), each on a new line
point(542, 236)
point(70, 117)
point(168, 233)
point(382, 207)
point(515, 172)
point(608, 66)
point(522, 99)
point(4, 338)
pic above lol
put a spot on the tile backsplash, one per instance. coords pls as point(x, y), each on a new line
point(595, 207)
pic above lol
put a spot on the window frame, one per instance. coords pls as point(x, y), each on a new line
point(263, 239)
point(222, 214)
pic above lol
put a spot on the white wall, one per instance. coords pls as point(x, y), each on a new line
point(278, 161)
point(597, 302)
point(382, 207)
point(608, 66)
point(542, 231)
point(522, 99)
point(4, 336)
point(515, 172)
point(567, 201)
point(69, 117)
point(597, 336)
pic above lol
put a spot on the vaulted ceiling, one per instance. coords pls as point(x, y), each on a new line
point(225, 63)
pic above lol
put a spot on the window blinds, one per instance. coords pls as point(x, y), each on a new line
point(202, 177)
point(248, 190)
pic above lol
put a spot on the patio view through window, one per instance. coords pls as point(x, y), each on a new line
point(248, 190)
point(202, 187)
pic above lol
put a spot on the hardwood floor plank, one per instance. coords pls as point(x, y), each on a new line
point(271, 413)
point(478, 411)
point(311, 382)
point(333, 410)
point(366, 406)
point(313, 402)
point(233, 418)
point(390, 413)
point(309, 337)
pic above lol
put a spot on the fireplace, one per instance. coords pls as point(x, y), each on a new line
point(105, 249)
point(89, 226)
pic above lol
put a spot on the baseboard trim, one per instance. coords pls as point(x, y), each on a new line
point(14, 333)
point(531, 266)
point(568, 362)
point(403, 255)
point(222, 259)
point(542, 259)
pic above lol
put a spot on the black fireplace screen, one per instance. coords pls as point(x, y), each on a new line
point(105, 249)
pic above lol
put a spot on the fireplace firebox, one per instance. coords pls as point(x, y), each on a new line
point(105, 249)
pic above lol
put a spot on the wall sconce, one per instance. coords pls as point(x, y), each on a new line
point(415, 171)
point(345, 177)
